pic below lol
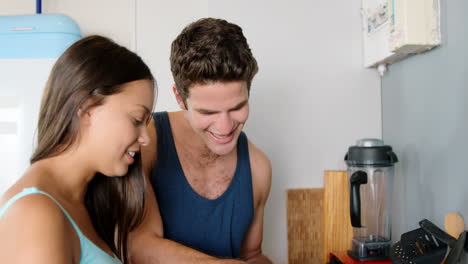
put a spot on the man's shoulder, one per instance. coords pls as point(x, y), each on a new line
point(261, 172)
point(258, 158)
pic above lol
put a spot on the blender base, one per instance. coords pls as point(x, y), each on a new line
point(365, 249)
point(360, 258)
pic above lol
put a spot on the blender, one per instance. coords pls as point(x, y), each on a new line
point(370, 177)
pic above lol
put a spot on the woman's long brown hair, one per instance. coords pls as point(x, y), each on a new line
point(89, 70)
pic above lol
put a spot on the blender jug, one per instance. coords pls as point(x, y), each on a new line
point(370, 176)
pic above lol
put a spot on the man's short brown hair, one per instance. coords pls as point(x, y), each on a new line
point(210, 50)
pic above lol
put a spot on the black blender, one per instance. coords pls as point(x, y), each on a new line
point(370, 176)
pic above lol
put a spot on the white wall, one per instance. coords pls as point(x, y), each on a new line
point(158, 23)
point(17, 7)
point(112, 18)
point(310, 100)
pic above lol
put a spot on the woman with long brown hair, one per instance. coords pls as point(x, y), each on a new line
point(84, 190)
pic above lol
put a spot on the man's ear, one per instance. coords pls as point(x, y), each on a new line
point(179, 99)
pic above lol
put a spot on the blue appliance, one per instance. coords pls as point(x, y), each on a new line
point(36, 36)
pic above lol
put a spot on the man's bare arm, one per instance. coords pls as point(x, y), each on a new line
point(251, 249)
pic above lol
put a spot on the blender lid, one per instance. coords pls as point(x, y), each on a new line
point(370, 151)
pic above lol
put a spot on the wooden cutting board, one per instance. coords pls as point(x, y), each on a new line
point(318, 220)
point(305, 225)
point(338, 231)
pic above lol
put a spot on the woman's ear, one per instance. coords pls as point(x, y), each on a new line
point(179, 99)
point(84, 112)
point(84, 116)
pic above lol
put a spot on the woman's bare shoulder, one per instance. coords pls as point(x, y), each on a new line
point(31, 223)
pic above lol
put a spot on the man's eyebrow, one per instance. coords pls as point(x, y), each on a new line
point(240, 105)
point(236, 107)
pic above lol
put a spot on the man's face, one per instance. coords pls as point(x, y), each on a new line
point(217, 112)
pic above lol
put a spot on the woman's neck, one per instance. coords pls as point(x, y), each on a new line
point(67, 173)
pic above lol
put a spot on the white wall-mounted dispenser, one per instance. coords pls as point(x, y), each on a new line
point(395, 29)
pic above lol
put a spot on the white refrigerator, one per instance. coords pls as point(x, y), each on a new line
point(29, 47)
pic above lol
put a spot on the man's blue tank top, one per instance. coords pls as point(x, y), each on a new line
point(90, 253)
point(216, 227)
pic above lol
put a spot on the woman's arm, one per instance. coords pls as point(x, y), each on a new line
point(35, 230)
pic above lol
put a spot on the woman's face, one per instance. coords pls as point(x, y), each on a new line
point(117, 129)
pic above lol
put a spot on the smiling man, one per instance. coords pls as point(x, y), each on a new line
point(209, 183)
